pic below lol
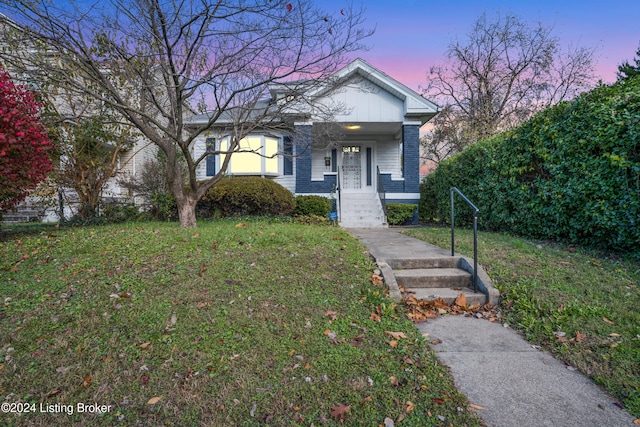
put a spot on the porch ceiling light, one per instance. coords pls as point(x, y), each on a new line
point(352, 127)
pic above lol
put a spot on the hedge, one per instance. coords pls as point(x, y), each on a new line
point(571, 173)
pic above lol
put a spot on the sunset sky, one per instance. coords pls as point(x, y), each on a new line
point(412, 35)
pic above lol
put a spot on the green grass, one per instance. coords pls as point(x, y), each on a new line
point(224, 325)
point(549, 290)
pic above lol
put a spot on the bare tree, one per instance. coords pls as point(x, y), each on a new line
point(154, 61)
point(498, 77)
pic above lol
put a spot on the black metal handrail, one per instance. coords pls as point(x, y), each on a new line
point(475, 234)
point(381, 191)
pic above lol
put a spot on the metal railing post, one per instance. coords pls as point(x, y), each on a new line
point(475, 233)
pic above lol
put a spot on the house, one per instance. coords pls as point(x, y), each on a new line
point(365, 157)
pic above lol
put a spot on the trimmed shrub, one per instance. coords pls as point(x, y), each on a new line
point(312, 205)
point(571, 173)
point(246, 195)
point(400, 213)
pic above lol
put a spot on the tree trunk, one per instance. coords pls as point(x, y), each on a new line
point(187, 212)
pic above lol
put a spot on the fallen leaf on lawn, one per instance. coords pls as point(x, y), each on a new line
point(461, 301)
point(580, 337)
point(375, 317)
point(393, 343)
point(367, 399)
point(241, 224)
point(393, 380)
point(408, 360)
point(609, 321)
point(202, 305)
point(395, 335)
point(478, 407)
point(410, 406)
point(377, 280)
point(338, 412)
point(87, 380)
point(637, 421)
point(614, 335)
point(438, 400)
point(435, 342)
point(155, 400)
point(331, 314)
point(145, 345)
point(52, 392)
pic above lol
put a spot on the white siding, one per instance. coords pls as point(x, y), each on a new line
point(389, 158)
point(365, 102)
point(199, 147)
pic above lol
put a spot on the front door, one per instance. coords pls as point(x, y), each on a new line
point(352, 168)
point(357, 168)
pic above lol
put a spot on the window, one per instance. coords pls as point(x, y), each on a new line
point(211, 158)
point(256, 155)
point(287, 150)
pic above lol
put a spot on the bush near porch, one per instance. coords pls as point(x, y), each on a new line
point(312, 205)
point(571, 173)
point(400, 213)
point(246, 195)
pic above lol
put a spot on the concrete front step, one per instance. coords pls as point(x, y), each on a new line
point(433, 278)
point(449, 295)
point(431, 262)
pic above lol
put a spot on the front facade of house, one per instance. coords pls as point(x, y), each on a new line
point(371, 158)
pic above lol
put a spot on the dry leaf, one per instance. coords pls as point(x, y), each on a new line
point(367, 399)
point(241, 224)
point(435, 342)
point(145, 345)
point(375, 317)
point(395, 335)
point(478, 407)
point(410, 407)
point(637, 421)
point(393, 343)
point(609, 321)
point(394, 381)
point(331, 314)
point(614, 335)
point(87, 380)
point(461, 301)
point(580, 337)
point(155, 400)
point(52, 392)
point(338, 412)
point(202, 305)
point(377, 280)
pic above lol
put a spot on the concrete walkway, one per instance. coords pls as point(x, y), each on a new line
point(517, 384)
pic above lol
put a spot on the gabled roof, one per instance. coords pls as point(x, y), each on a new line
point(417, 107)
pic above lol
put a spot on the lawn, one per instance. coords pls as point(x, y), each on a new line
point(230, 324)
point(581, 305)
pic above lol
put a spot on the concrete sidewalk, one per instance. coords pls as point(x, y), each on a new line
point(517, 384)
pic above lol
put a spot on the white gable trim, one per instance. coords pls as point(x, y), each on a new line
point(416, 107)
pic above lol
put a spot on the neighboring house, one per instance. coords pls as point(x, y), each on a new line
point(370, 157)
